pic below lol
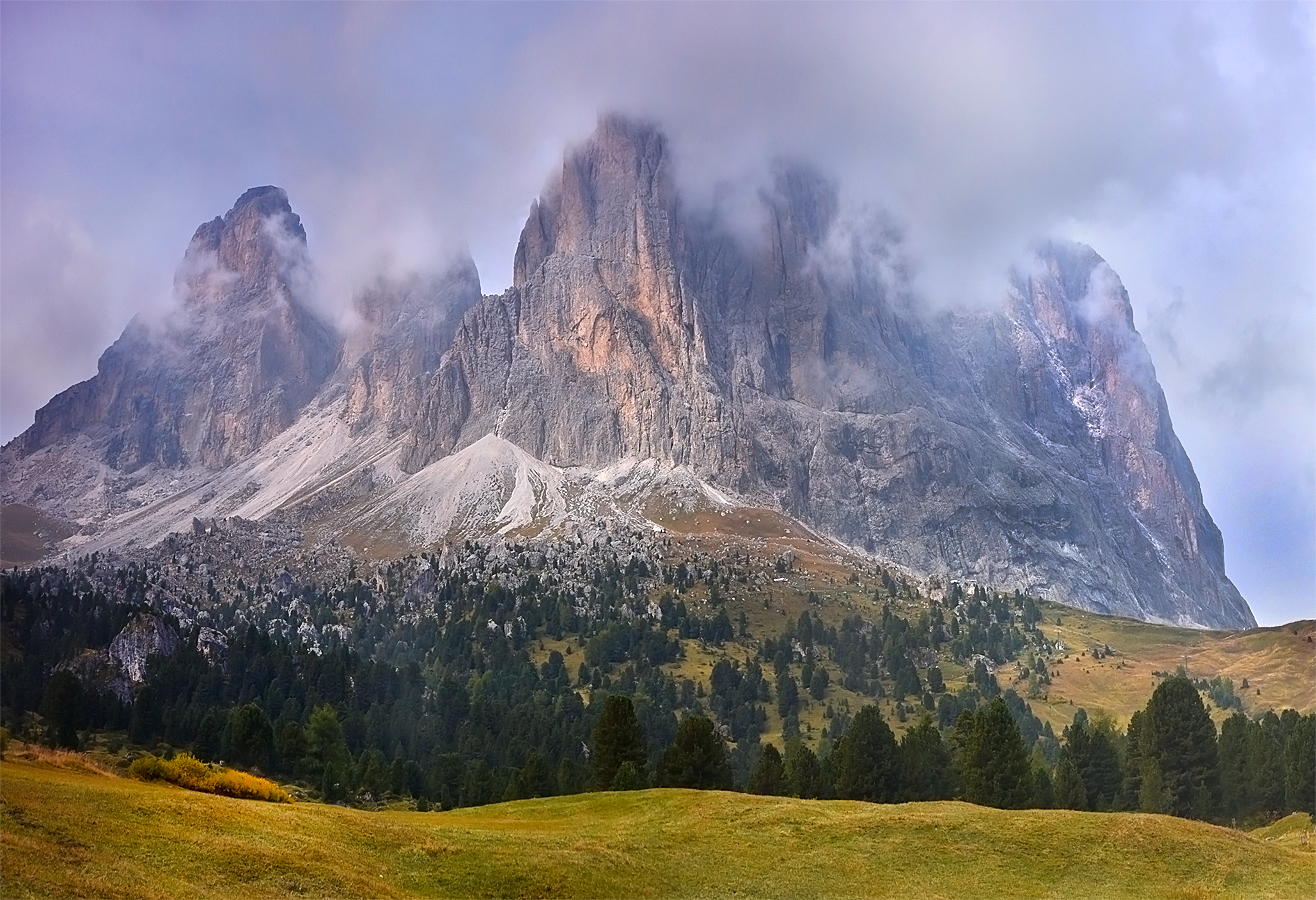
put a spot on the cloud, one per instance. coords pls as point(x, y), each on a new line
point(62, 295)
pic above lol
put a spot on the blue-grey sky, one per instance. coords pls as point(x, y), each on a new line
point(1178, 140)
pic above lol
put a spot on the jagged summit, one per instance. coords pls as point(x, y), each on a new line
point(1025, 447)
point(222, 374)
point(255, 250)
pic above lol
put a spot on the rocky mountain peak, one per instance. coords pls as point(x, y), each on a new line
point(254, 248)
point(228, 370)
point(598, 203)
point(1025, 446)
point(407, 325)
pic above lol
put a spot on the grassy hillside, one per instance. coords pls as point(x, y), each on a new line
point(1276, 662)
point(73, 832)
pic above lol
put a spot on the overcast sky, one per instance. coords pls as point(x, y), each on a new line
point(1178, 140)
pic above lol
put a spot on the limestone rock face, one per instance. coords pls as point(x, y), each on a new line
point(230, 368)
point(1027, 446)
point(406, 327)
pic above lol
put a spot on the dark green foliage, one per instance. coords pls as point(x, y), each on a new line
point(696, 758)
point(735, 698)
point(769, 775)
point(1265, 750)
point(1181, 741)
point(1068, 787)
point(788, 696)
point(804, 775)
point(629, 778)
point(250, 739)
point(1043, 791)
point(1092, 752)
point(430, 682)
point(617, 739)
point(1252, 763)
point(990, 758)
point(1300, 765)
point(1234, 778)
point(925, 772)
point(535, 775)
point(936, 684)
point(326, 750)
point(866, 759)
point(818, 683)
point(63, 708)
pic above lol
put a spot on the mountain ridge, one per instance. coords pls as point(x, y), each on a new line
point(1028, 447)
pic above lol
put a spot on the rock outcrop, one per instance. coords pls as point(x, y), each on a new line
point(1025, 447)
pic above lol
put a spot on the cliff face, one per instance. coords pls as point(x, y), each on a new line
point(230, 368)
point(1028, 446)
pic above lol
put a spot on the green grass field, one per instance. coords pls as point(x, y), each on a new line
point(67, 832)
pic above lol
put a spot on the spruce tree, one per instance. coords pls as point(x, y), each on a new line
point(867, 759)
point(1182, 741)
point(696, 758)
point(994, 762)
point(62, 707)
point(1091, 749)
point(1068, 787)
point(769, 775)
point(804, 776)
point(1300, 766)
point(924, 764)
point(617, 739)
point(1232, 758)
point(326, 757)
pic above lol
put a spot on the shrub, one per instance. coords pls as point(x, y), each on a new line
point(186, 771)
point(148, 768)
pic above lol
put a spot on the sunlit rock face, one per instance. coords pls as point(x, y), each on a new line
point(1025, 446)
point(1028, 446)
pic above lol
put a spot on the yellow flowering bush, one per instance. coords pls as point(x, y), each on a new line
point(186, 771)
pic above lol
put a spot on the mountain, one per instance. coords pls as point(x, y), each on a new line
point(645, 354)
point(230, 368)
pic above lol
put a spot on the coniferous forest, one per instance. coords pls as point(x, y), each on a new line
point(499, 673)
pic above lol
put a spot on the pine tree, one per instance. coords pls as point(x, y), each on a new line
point(250, 737)
point(924, 764)
point(1182, 741)
point(769, 775)
point(62, 707)
point(1091, 748)
point(1300, 766)
point(696, 758)
point(867, 759)
point(993, 762)
point(326, 757)
point(1043, 791)
point(804, 776)
point(617, 739)
point(1232, 757)
point(1068, 787)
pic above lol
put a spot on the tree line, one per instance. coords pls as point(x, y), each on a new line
point(450, 709)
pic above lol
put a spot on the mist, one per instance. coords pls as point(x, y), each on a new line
point(1175, 139)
